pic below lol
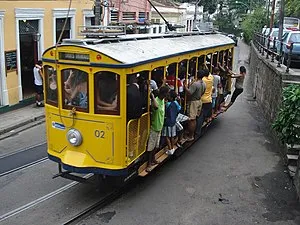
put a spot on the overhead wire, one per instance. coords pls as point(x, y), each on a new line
point(72, 112)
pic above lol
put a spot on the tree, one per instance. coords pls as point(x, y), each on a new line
point(254, 23)
point(292, 8)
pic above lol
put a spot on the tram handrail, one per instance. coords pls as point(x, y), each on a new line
point(262, 43)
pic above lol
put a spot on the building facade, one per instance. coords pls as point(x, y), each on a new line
point(27, 28)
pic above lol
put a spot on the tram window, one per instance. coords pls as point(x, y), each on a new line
point(137, 94)
point(107, 89)
point(221, 53)
point(192, 68)
point(201, 64)
point(51, 85)
point(171, 76)
point(208, 61)
point(157, 75)
point(215, 59)
point(75, 89)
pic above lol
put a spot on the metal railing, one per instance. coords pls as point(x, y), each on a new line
point(101, 31)
point(271, 47)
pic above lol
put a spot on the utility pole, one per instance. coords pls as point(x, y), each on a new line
point(195, 14)
point(272, 16)
point(281, 18)
point(97, 12)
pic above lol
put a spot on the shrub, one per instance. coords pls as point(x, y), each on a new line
point(287, 123)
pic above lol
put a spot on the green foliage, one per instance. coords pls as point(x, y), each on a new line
point(292, 8)
point(287, 123)
point(253, 23)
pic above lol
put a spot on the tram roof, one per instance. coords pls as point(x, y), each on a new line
point(136, 49)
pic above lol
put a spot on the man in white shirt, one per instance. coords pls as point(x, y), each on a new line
point(38, 83)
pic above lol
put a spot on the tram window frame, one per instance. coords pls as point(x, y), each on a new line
point(118, 93)
point(70, 107)
point(48, 84)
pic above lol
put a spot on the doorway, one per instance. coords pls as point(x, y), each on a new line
point(28, 36)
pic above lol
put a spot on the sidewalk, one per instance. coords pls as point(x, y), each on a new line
point(25, 117)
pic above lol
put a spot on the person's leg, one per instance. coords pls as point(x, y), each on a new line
point(235, 94)
point(169, 143)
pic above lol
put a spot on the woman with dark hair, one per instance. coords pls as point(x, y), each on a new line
point(238, 86)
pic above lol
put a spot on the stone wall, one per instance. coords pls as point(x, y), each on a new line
point(267, 83)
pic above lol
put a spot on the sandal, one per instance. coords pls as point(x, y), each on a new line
point(148, 170)
point(155, 162)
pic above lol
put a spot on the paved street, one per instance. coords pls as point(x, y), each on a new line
point(233, 175)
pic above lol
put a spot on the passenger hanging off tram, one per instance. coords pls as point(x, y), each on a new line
point(238, 86)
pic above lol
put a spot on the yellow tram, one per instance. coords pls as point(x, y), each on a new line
point(85, 96)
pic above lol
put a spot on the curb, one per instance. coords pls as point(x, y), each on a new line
point(21, 124)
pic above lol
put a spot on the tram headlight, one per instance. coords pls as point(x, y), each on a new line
point(74, 137)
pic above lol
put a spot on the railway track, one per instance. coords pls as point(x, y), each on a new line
point(106, 200)
point(22, 159)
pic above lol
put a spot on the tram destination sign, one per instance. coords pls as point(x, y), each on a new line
point(74, 56)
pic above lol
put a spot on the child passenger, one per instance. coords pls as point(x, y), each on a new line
point(169, 129)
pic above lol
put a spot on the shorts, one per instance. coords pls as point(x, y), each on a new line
point(207, 110)
point(38, 89)
point(236, 93)
point(194, 109)
point(153, 141)
point(169, 131)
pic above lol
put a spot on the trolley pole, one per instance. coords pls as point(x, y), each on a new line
point(97, 12)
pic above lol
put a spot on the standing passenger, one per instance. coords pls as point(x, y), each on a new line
point(169, 129)
point(157, 122)
point(134, 99)
point(216, 88)
point(194, 103)
point(206, 98)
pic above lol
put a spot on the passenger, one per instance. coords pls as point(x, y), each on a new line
point(134, 99)
point(238, 86)
point(171, 79)
point(169, 129)
point(38, 83)
point(206, 98)
point(76, 89)
point(194, 93)
point(157, 122)
point(216, 90)
point(107, 98)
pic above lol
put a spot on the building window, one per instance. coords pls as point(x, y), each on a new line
point(66, 33)
point(89, 21)
point(114, 15)
point(142, 17)
point(127, 16)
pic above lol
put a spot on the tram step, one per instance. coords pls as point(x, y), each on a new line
point(292, 170)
